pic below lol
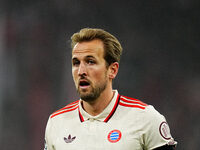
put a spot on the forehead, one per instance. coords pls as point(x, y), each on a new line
point(94, 48)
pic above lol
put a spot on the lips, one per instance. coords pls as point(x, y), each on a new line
point(84, 83)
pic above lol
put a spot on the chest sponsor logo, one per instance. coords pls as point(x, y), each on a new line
point(165, 131)
point(114, 136)
point(69, 139)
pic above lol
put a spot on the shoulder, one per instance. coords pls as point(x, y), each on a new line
point(68, 108)
point(58, 118)
point(152, 126)
point(136, 106)
point(132, 103)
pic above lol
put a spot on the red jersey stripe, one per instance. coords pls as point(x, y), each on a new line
point(80, 116)
point(130, 98)
point(132, 101)
point(68, 106)
point(64, 111)
point(113, 110)
point(131, 105)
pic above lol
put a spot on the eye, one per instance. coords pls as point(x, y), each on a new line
point(90, 61)
point(75, 62)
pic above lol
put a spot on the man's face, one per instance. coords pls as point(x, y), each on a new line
point(89, 69)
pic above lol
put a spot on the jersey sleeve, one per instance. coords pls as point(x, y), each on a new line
point(156, 131)
point(48, 139)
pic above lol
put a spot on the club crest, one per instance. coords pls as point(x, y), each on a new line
point(114, 136)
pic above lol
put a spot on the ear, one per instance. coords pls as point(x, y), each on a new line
point(113, 70)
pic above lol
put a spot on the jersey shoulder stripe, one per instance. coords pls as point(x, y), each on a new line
point(70, 107)
point(132, 102)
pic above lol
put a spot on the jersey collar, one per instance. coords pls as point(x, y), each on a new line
point(103, 116)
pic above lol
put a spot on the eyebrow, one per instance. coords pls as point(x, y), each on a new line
point(89, 56)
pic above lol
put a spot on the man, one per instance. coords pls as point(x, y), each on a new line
point(103, 119)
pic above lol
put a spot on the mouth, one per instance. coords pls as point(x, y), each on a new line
point(84, 84)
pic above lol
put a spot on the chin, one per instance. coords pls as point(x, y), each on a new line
point(88, 97)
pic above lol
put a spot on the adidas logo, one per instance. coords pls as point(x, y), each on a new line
point(69, 139)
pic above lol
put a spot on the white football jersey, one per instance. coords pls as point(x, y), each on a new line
point(125, 124)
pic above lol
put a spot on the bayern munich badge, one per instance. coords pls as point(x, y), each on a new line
point(114, 136)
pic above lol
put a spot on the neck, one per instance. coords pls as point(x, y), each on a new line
point(96, 107)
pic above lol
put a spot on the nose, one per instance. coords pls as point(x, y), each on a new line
point(82, 70)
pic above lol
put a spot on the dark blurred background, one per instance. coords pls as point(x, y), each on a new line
point(160, 63)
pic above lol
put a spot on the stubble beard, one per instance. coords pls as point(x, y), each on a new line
point(94, 93)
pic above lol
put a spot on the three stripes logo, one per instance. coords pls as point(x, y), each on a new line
point(69, 139)
point(114, 136)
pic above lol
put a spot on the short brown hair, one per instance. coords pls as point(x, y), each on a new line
point(112, 47)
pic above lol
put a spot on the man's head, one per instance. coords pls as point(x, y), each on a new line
point(112, 47)
point(95, 62)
